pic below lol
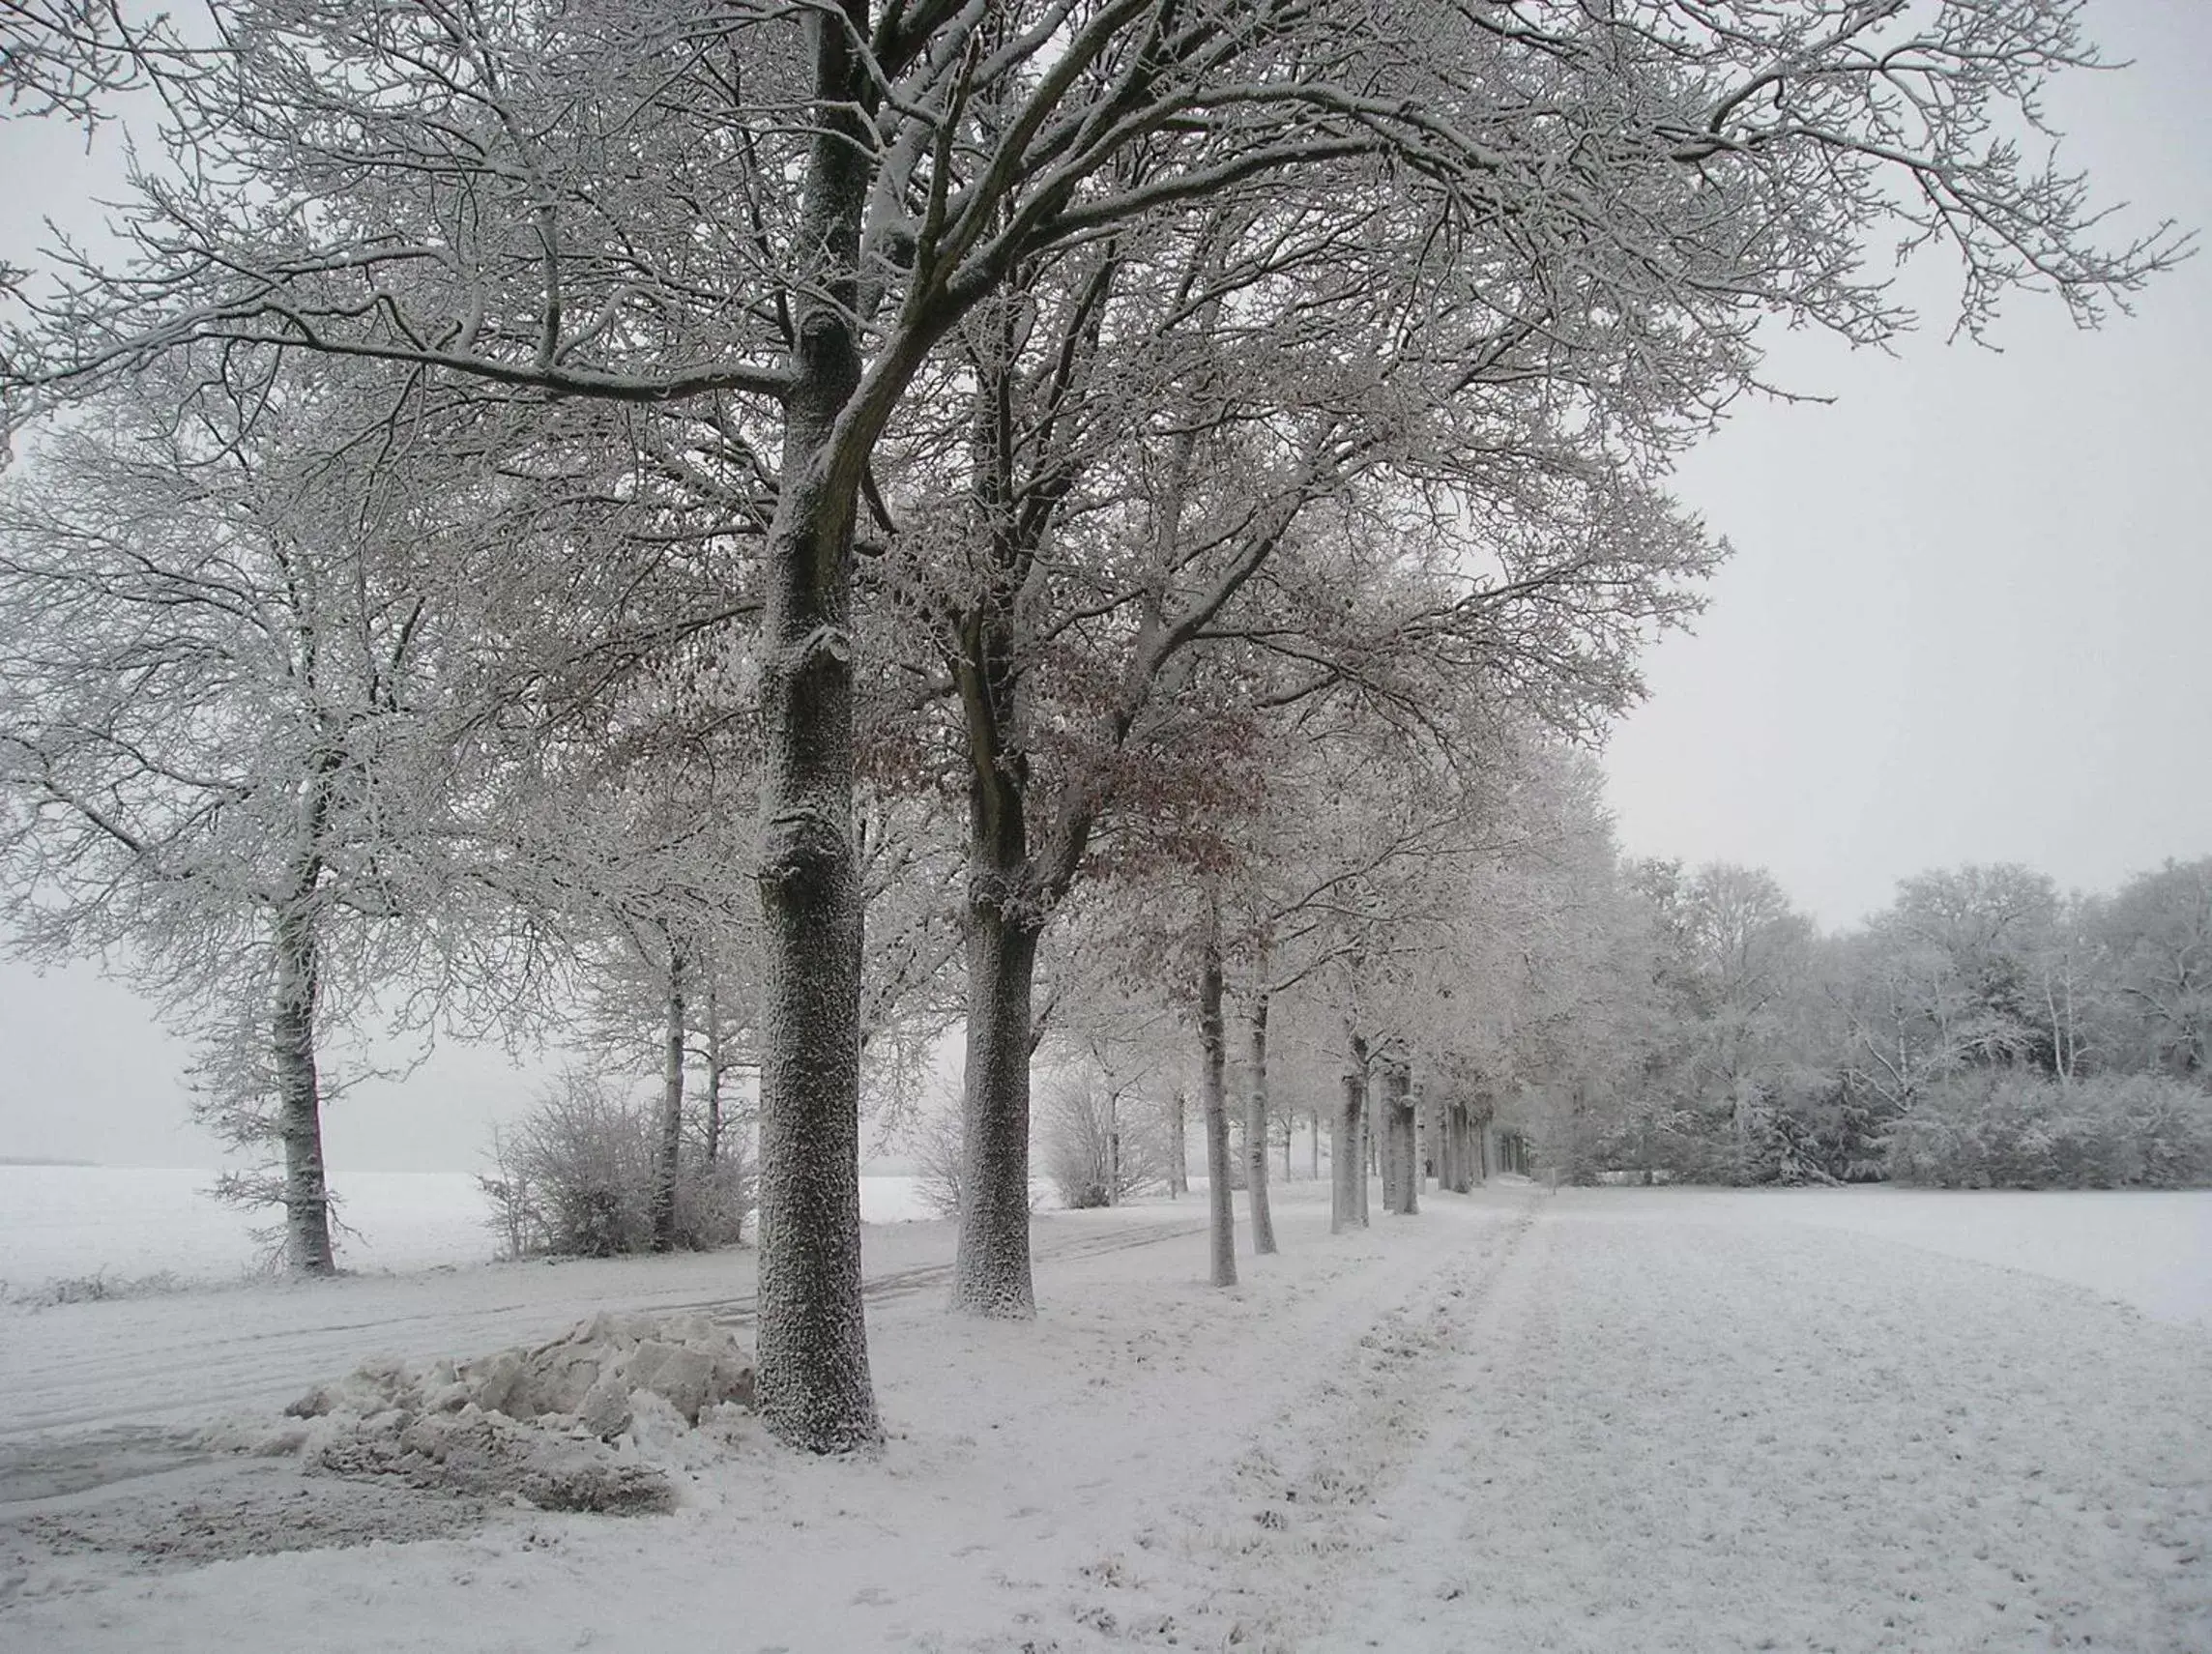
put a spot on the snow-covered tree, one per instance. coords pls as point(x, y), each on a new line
point(234, 705)
point(781, 212)
point(2156, 932)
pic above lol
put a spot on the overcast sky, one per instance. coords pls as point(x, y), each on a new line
point(1968, 612)
point(1965, 622)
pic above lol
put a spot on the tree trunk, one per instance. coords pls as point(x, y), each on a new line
point(716, 1073)
point(1256, 1129)
point(1407, 1111)
point(1367, 1149)
point(669, 1151)
point(1113, 1149)
point(1386, 1138)
point(1347, 1152)
point(298, 1099)
point(1214, 1102)
point(991, 1270)
point(811, 1339)
point(1313, 1146)
point(1391, 1146)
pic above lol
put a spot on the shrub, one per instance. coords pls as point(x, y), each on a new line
point(574, 1178)
point(1098, 1149)
point(2005, 1129)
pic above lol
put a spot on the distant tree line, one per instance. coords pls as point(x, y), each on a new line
point(1982, 1031)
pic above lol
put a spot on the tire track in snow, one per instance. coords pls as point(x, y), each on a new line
point(1258, 1560)
point(210, 1370)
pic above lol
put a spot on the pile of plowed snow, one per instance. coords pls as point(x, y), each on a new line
point(584, 1422)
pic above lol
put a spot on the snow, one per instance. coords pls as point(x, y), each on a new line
point(2150, 1249)
point(1607, 1420)
point(129, 1225)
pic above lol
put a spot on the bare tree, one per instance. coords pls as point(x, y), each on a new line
point(234, 703)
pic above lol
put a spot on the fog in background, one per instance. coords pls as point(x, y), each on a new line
point(1965, 622)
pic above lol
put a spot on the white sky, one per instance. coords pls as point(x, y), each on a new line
point(1966, 622)
point(1967, 614)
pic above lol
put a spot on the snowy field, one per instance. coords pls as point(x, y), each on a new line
point(128, 1225)
point(1604, 1420)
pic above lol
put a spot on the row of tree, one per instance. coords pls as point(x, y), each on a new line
point(809, 513)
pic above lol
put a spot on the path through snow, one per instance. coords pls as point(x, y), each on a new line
point(1613, 1420)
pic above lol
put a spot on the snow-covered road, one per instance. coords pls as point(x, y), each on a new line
point(1615, 1420)
point(180, 1358)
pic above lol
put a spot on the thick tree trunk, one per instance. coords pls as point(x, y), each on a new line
point(813, 1388)
point(991, 1270)
point(1348, 1151)
point(299, 1100)
point(813, 1383)
point(668, 1153)
point(1256, 1129)
point(1212, 1099)
point(1178, 1144)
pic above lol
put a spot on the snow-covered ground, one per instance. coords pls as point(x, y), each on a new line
point(128, 1226)
point(2152, 1249)
point(1606, 1420)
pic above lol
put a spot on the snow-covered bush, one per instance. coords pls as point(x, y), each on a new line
point(1096, 1150)
point(574, 1178)
point(2001, 1128)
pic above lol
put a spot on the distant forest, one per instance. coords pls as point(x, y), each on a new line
point(1982, 1031)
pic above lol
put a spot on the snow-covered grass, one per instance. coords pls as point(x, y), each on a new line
point(2149, 1248)
point(1613, 1419)
point(106, 1231)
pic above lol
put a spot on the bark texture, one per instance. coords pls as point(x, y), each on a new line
point(1178, 1144)
point(812, 1351)
point(991, 1268)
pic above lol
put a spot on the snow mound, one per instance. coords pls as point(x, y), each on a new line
point(558, 1424)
